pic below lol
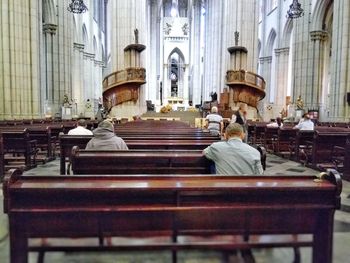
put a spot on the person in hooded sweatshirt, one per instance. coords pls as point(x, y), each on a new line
point(105, 138)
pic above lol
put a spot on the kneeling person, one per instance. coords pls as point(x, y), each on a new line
point(233, 156)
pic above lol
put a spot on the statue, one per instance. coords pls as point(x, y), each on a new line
point(136, 33)
point(300, 103)
point(185, 29)
point(167, 28)
point(65, 100)
point(236, 38)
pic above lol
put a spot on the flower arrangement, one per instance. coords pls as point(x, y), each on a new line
point(166, 109)
point(192, 109)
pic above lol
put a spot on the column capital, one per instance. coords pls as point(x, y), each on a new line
point(87, 55)
point(320, 35)
point(282, 51)
point(267, 59)
point(49, 28)
point(99, 63)
point(78, 46)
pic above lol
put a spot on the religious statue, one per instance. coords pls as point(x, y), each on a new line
point(136, 33)
point(283, 113)
point(300, 103)
point(167, 28)
point(236, 38)
point(65, 100)
point(185, 29)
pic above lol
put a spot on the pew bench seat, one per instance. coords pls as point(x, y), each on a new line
point(193, 211)
point(225, 243)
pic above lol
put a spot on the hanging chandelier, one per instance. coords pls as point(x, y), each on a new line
point(295, 10)
point(77, 7)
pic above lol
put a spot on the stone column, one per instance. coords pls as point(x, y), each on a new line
point(152, 52)
point(89, 84)
point(265, 65)
point(78, 78)
point(318, 39)
point(241, 16)
point(213, 77)
point(196, 53)
point(49, 33)
point(127, 15)
point(340, 83)
point(281, 55)
point(19, 62)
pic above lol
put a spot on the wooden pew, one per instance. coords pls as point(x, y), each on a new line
point(173, 207)
point(301, 141)
point(68, 141)
point(259, 133)
point(281, 146)
point(45, 143)
point(341, 159)
point(2, 163)
point(270, 137)
point(321, 150)
point(20, 148)
point(139, 162)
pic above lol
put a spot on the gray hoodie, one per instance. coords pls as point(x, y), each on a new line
point(105, 139)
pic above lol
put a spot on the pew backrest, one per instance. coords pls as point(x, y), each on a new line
point(139, 162)
point(171, 205)
point(2, 163)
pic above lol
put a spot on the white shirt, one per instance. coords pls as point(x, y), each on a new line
point(80, 131)
point(274, 124)
point(214, 123)
point(306, 125)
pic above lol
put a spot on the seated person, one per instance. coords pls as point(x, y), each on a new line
point(277, 123)
point(233, 156)
point(105, 138)
point(306, 124)
point(214, 122)
point(80, 129)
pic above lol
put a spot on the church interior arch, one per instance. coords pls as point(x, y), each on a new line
point(176, 62)
point(326, 88)
point(270, 44)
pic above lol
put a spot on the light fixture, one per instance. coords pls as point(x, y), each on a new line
point(77, 7)
point(295, 10)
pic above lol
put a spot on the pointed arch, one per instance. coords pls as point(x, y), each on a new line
point(319, 12)
point(179, 52)
point(75, 31)
point(270, 42)
point(85, 35)
point(95, 50)
point(287, 33)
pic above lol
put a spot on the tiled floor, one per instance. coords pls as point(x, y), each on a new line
point(275, 165)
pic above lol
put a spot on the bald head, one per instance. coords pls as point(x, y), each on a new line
point(214, 109)
point(81, 122)
point(234, 130)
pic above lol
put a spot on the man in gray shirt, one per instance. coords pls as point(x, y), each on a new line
point(232, 156)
